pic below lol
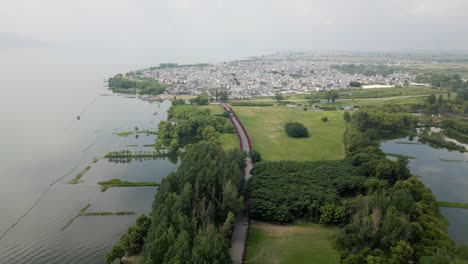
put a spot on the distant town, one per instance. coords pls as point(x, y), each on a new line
point(281, 73)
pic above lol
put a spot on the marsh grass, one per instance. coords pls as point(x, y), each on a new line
point(400, 156)
point(453, 205)
point(449, 160)
point(118, 183)
point(77, 178)
point(123, 134)
point(81, 212)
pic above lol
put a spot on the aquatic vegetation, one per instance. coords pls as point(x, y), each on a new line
point(408, 143)
point(400, 156)
point(108, 213)
point(453, 205)
point(119, 183)
point(77, 178)
point(123, 134)
point(449, 160)
point(81, 212)
point(97, 213)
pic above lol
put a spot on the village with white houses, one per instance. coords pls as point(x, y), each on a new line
point(278, 73)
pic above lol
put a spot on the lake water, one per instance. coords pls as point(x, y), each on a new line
point(445, 173)
point(43, 143)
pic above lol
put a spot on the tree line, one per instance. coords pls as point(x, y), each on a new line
point(194, 209)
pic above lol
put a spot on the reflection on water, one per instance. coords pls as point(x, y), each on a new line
point(445, 173)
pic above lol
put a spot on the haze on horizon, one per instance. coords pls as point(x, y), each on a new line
point(207, 27)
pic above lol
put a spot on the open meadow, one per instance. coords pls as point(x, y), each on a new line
point(295, 244)
point(265, 126)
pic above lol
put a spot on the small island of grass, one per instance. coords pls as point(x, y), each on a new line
point(123, 134)
point(453, 205)
point(119, 183)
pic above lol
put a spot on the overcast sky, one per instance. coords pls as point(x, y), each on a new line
point(238, 26)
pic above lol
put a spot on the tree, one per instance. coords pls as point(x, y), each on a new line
point(201, 99)
point(324, 118)
point(223, 96)
point(117, 252)
point(331, 214)
point(431, 99)
point(331, 95)
point(226, 114)
point(355, 84)
point(440, 100)
point(228, 225)
point(255, 156)
point(209, 133)
point(279, 97)
point(346, 116)
point(296, 129)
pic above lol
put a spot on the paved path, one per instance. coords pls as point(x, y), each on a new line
point(239, 234)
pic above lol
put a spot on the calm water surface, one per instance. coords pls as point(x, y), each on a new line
point(43, 143)
point(445, 173)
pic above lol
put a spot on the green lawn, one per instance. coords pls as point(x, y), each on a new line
point(295, 244)
point(265, 126)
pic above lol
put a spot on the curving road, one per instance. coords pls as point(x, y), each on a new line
point(239, 234)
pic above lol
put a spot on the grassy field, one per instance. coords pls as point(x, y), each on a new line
point(265, 126)
point(296, 244)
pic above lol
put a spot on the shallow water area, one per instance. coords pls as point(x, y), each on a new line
point(44, 145)
point(445, 173)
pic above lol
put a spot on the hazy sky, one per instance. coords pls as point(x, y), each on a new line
point(237, 26)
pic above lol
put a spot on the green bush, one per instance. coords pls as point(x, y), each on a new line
point(255, 156)
point(324, 118)
point(296, 129)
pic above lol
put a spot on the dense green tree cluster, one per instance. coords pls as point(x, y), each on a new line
point(201, 99)
point(384, 119)
point(450, 81)
point(355, 84)
point(398, 221)
point(193, 211)
point(457, 128)
point(286, 190)
point(296, 129)
point(368, 70)
point(188, 123)
point(132, 241)
point(397, 225)
point(123, 84)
